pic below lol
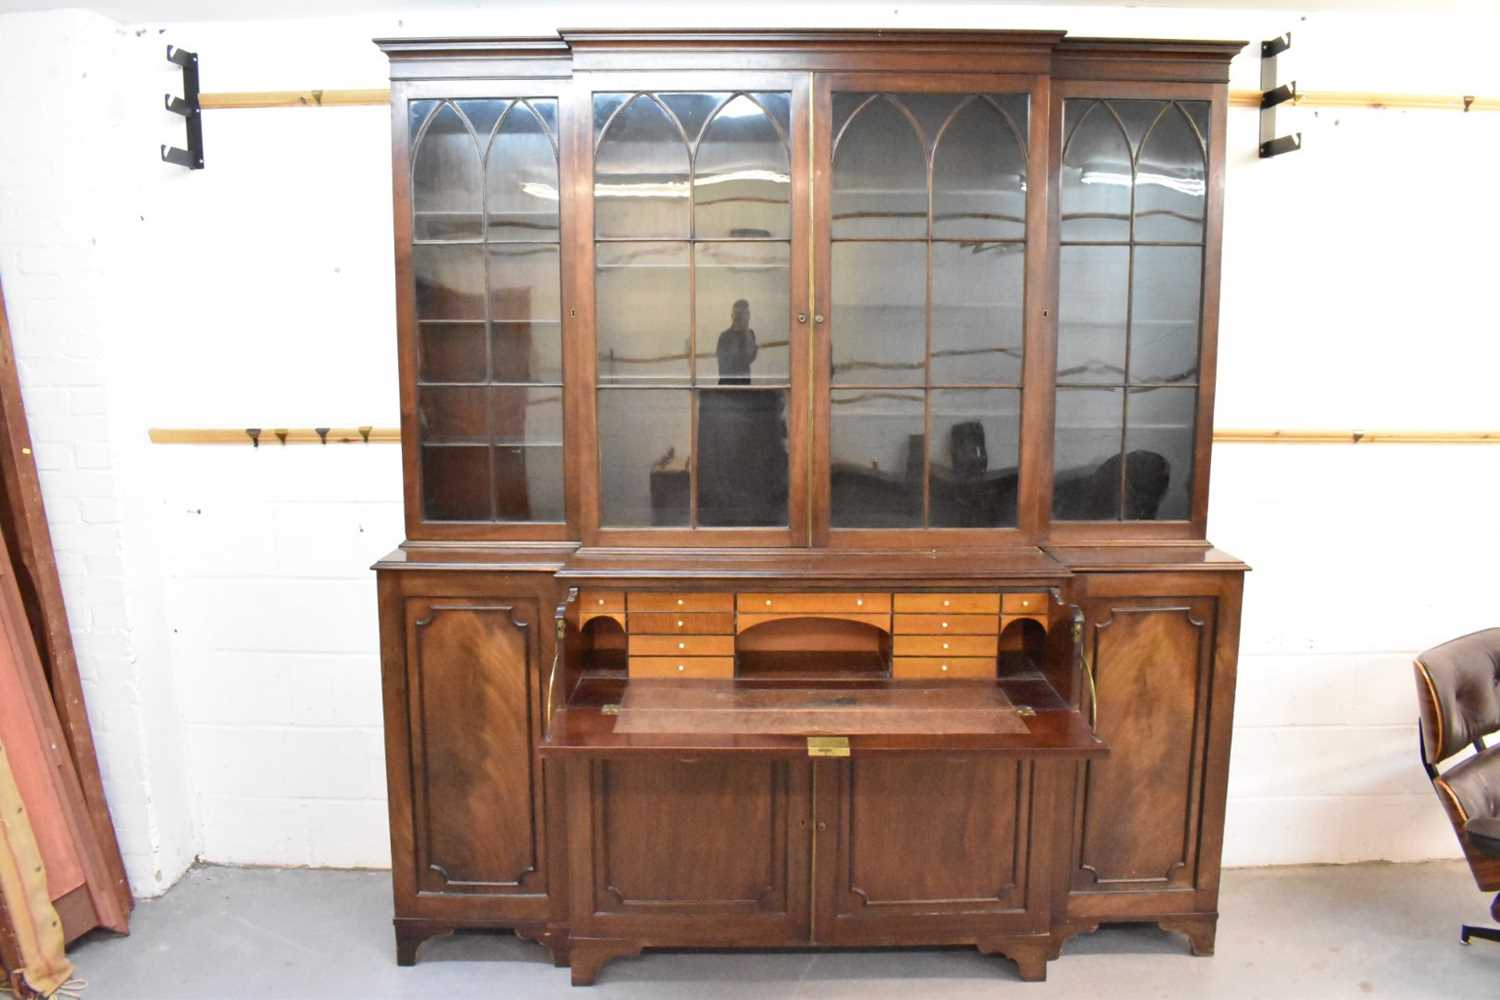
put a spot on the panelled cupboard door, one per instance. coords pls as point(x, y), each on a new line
point(1139, 810)
point(712, 848)
point(471, 684)
point(939, 842)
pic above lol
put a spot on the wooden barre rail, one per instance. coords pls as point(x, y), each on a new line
point(1237, 98)
point(392, 435)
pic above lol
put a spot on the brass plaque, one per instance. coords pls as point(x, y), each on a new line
point(828, 746)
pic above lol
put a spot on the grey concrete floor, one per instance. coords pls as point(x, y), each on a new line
point(1284, 934)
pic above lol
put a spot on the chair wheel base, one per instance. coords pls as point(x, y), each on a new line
point(1482, 933)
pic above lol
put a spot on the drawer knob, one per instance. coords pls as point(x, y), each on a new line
point(601, 602)
point(945, 645)
point(859, 602)
point(768, 602)
point(681, 668)
point(946, 602)
point(679, 602)
point(944, 668)
point(680, 623)
point(945, 624)
point(682, 645)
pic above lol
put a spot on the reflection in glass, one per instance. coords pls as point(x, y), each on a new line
point(521, 178)
point(742, 455)
point(1159, 453)
point(525, 415)
point(643, 291)
point(456, 482)
point(450, 352)
point(1170, 189)
point(641, 174)
point(879, 175)
point(1093, 290)
point(742, 183)
point(1086, 454)
point(979, 176)
point(451, 415)
point(524, 282)
point(879, 305)
point(742, 303)
point(975, 456)
point(450, 281)
point(875, 453)
point(977, 311)
point(1164, 314)
point(445, 179)
point(1096, 174)
point(526, 352)
point(528, 483)
point(644, 455)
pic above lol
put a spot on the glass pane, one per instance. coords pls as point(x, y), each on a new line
point(1159, 454)
point(529, 484)
point(1170, 187)
point(742, 457)
point(742, 305)
point(527, 352)
point(875, 450)
point(526, 416)
point(975, 457)
point(879, 175)
point(524, 282)
point(692, 110)
point(1086, 480)
point(1137, 118)
point(1096, 174)
point(642, 293)
point(521, 179)
point(979, 176)
point(641, 174)
point(445, 179)
point(742, 184)
point(879, 313)
point(644, 450)
point(1164, 314)
point(450, 352)
point(453, 415)
point(449, 281)
point(483, 114)
point(456, 482)
point(977, 296)
point(1091, 304)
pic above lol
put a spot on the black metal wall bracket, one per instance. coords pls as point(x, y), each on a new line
point(1271, 95)
point(189, 108)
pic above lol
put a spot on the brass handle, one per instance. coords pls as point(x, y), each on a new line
point(822, 826)
point(818, 318)
point(802, 317)
point(1088, 671)
point(562, 630)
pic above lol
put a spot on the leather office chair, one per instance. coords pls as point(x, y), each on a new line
point(1458, 691)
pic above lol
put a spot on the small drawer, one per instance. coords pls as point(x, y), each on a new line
point(596, 601)
point(688, 667)
point(1023, 604)
point(653, 601)
point(682, 645)
point(666, 623)
point(814, 603)
point(945, 645)
point(967, 668)
point(947, 624)
point(980, 604)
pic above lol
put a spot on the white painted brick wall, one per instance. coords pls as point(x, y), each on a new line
point(223, 608)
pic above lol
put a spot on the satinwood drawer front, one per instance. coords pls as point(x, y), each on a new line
point(906, 667)
point(593, 601)
point(652, 601)
point(948, 624)
point(814, 602)
point(689, 667)
point(666, 623)
point(949, 603)
point(945, 645)
point(1023, 604)
point(682, 645)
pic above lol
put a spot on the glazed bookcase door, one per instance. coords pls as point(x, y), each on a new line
point(930, 249)
point(478, 195)
point(696, 234)
point(1139, 183)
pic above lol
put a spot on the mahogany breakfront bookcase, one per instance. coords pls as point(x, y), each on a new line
point(806, 445)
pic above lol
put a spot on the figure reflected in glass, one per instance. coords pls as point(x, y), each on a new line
point(742, 463)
